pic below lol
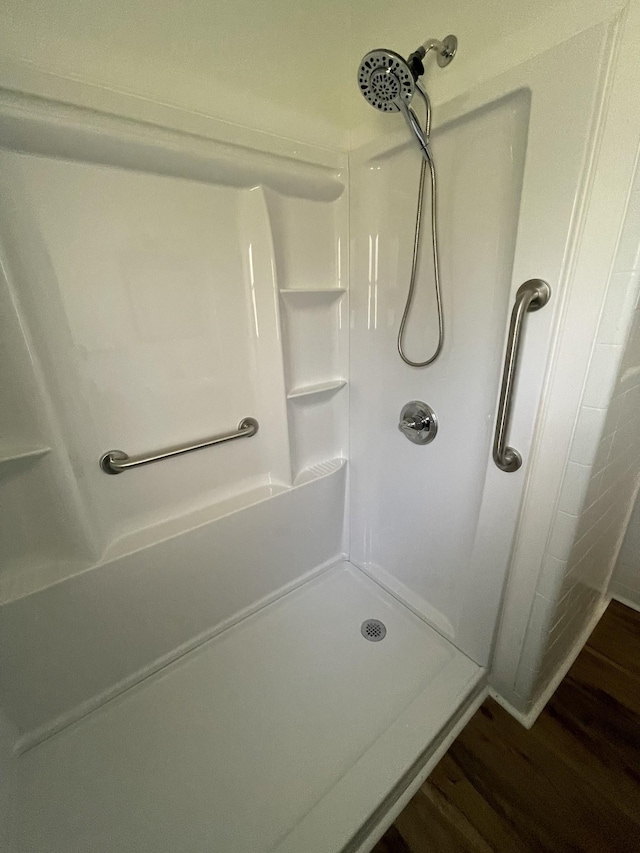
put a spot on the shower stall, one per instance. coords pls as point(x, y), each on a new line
point(239, 610)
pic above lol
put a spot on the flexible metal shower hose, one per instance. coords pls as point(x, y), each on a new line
point(427, 159)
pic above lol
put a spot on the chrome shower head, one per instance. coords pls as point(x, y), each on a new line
point(385, 80)
point(388, 82)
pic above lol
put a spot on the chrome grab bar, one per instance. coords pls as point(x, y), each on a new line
point(531, 296)
point(117, 461)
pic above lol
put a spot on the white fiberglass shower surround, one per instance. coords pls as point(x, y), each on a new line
point(186, 645)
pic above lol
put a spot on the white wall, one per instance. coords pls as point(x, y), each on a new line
point(493, 37)
point(598, 487)
point(597, 495)
point(625, 582)
point(523, 638)
point(286, 67)
point(276, 66)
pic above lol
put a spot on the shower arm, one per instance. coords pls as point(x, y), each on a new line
point(432, 44)
point(445, 49)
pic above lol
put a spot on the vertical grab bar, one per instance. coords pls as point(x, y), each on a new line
point(531, 296)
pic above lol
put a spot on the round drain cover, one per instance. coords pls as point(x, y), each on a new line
point(373, 630)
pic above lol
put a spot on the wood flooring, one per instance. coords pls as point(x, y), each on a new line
point(571, 783)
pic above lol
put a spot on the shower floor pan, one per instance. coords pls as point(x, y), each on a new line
point(288, 732)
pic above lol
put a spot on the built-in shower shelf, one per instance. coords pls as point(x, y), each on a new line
point(319, 388)
point(320, 469)
point(15, 453)
point(330, 292)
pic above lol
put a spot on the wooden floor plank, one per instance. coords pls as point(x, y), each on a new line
point(603, 752)
point(609, 683)
point(392, 842)
point(617, 637)
point(451, 780)
point(571, 783)
point(427, 830)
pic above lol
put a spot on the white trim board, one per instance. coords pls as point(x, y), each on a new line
point(528, 718)
point(628, 602)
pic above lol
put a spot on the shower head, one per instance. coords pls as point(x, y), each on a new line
point(385, 80)
point(388, 82)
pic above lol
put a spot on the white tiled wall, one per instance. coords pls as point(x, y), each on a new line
point(599, 485)
point(625, 583)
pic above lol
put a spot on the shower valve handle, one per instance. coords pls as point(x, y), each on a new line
point(418, 422)
point(410, 425)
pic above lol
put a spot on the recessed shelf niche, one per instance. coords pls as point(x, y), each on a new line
point(313, 343)
point(309, 241)
point(309, 238)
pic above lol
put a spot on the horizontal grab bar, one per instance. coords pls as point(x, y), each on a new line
point(117, 461)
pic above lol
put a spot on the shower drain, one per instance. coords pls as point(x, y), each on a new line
point(373, 630)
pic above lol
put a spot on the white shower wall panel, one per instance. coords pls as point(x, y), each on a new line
point(141, 292)
point(436, 490)
point(145, 267)
point(436, 524)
